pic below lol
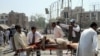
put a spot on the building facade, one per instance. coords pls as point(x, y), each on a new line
point(3, 18)
point(18, 19)
point(84, 18)
point(69, 13)
point(87, 17)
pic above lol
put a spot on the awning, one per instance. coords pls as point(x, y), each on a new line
point(3, 26)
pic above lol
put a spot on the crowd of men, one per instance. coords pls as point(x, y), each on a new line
point(17, 39)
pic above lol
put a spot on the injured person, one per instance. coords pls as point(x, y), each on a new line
point(52, 44)
point(57, 43)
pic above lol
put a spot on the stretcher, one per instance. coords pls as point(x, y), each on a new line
point(45, 46)
point(70, 47)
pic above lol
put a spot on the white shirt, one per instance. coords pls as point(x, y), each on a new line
point(38, 36)
point(1, 36)
point(77, 29)
point(7, 33)
point(88, 43)
point(58, 33)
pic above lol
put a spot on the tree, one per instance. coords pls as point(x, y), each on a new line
point(39, 20)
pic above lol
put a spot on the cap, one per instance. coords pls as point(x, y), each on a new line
point(72, 20)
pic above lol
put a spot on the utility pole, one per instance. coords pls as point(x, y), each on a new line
point(71, 7)
point(94, 7)
point(68, 8)
point(50, 19)
point(57, 8)
point(94, 12)
point(51, 8)
point(81, 14)
point(68, 12)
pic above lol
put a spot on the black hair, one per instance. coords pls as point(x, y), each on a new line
point(17, 27)
point(58, 22)
point(33, 27)
point(54, 23)
point(93, 24)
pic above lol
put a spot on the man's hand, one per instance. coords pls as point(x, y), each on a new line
point(27, 48)
point(96, 54)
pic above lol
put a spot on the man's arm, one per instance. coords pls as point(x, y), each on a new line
point(62, 33)
point(39, 35)
point(77, 28)
point(95, 45)
point(64, 26)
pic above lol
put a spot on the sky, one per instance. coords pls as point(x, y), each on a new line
point(32, 7)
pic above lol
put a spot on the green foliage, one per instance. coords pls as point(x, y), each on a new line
point(39, 20)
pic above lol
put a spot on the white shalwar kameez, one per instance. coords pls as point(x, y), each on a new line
point(1, 37)
point(88, 43)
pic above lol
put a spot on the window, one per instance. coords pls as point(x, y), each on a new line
point(65, 14)
point(81, 16)
point(6, 16)
point(87, 16)
point(2, 17)
point(6, 22)
point(1, 22)
point(93, 15)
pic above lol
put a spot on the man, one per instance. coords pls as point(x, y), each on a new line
point(88, 42)
point(34, 37)
point(58, 23)
point(11, 38)
point(58, 33)
point(7, 33)
point(73, 30)
point(20, 40)
point(1, 38)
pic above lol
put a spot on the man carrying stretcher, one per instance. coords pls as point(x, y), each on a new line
point(58, 33)
point(20, 40)
point(34, 38)
point(73, 31)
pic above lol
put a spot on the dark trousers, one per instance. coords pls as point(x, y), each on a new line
point(73, 39)
point(38, 53)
